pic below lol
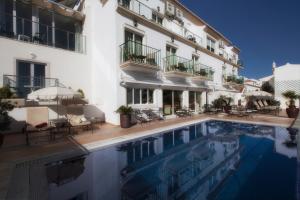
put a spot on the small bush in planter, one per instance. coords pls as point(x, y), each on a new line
point(291, 111)
point(80, 91)
point(5, 107)
point(125, 116)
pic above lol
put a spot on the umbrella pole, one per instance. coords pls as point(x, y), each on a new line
point(57, 107)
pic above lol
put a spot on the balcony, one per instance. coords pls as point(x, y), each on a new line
point(138, 57)
point(202, 73)
point(175, 66)
point(146, 13)
point(234, 80)
point(23, 85)
point(25, 30)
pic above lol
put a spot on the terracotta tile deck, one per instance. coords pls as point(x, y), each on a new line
point(15, 150)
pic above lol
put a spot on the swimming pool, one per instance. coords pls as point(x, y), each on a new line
point(209, 160)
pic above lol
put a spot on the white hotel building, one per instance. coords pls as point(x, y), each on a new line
point(147, 54)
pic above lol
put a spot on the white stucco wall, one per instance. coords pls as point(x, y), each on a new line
point(286, 77)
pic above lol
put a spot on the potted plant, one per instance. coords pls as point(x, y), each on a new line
point(227, 104)
point(125, 116)
point(5, 106)
point(291, 111)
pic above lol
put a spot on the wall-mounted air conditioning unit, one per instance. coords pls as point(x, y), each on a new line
point(170, 9)
point(179, 14)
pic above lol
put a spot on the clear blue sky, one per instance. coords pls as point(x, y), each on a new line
point(264, 30)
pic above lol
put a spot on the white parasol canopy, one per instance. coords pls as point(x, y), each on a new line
point(257, 94)
point(53, 93)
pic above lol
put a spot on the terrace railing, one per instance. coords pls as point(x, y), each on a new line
point(139, 53)
point(175, 63)
point(203, 71)
point(234, 79)
point(22, 29)
point(146, 12)
point(23, 85)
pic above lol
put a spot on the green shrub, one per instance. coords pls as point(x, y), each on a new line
point(124, 110)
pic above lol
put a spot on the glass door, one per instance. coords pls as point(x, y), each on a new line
point(192, 105)
point(29, 77)
point(133, 45)
point(171, 57)
point(23, 80)
point(177, 100)
point(168, 102)
point(194, 101)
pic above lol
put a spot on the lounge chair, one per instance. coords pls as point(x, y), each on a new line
point(155, 114)
point(184, 112)
point(77, 120)
point(141, 117)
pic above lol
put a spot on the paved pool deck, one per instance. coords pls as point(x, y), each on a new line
point(15, 150)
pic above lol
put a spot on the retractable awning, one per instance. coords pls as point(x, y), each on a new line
point(60, 8)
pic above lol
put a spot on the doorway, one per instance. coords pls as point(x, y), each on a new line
point(172, 101)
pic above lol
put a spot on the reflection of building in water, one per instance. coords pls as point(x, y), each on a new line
point(183, 164)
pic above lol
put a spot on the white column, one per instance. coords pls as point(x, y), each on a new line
point(53, 29)
point(14, 18)
point(35, 20)
point(173, 109)
point(185, 98)
point(158, 97)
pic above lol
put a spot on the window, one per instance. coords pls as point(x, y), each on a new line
point(139, 96)
point(156, 18)
point(129, 96)
point(211, 45)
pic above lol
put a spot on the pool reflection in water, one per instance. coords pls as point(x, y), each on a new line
point(209, 160)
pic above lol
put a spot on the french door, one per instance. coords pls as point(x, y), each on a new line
point(29, 76)
point(172, 101)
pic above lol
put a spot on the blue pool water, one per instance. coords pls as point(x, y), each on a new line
point(210, 160)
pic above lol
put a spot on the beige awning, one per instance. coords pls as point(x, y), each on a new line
point(58, 8)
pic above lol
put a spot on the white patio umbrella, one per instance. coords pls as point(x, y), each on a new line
point(257, 94)
point(53, 94)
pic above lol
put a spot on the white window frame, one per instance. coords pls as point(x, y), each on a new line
point(140, 96)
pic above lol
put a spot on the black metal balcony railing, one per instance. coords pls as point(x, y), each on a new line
point(146, 12)
point(203, 71)
point(23, 85)
point(234, 79)
point(139, 53)
point(22, 29)
point(178, 64)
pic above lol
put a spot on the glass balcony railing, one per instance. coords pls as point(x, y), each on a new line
point(23, 85)
point(22, 29)
point(139, 53)
point(203, 71)
point(234, 79)
point(146, 12)
point(178, 64)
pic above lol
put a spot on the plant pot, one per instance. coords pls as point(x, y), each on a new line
point(125, 121)
point(292, 112)
point(227, 109)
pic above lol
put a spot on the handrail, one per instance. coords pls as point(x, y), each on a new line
point(68, 40)
point(177, 63)
point(184, 31)
point(139, 53)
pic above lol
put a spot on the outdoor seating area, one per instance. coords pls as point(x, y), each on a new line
point(143, 116)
